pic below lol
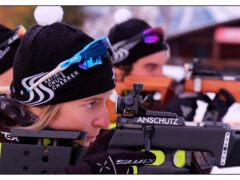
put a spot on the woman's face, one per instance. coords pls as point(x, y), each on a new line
point(88, 115)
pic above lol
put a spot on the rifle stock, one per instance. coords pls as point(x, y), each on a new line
point(208, 85)
point(209, 138)
point(200, 79)
point(151, 83)
point(37, 157)
point(154, 130)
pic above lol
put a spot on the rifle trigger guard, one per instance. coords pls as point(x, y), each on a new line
point(197, 84)
point(148, 131)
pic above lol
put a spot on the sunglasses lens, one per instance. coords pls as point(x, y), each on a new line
point(152, 36)
point(90, 63)
point(94, 55)
point(150, 39)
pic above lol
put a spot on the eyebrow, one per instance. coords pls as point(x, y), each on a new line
point(153, 64)
point(94, 98)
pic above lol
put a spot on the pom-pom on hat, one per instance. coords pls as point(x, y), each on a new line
point(54, 44)
point(51, 15)
point(9, 41)
point(128, 42)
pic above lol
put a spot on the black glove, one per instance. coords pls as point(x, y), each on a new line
point(185, 104)
point(218, 107)
point(97, 161)
point(202, 162)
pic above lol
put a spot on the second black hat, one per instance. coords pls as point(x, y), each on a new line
point(134, 39)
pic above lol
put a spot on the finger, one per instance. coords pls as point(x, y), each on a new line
point(101, 143)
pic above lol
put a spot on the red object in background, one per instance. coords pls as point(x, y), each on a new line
point(228, 35)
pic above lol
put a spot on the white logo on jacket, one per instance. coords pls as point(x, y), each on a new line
point(8, 136)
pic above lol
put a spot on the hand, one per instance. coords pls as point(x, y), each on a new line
point(97, 161)
point(218, 107)
point(185, 104)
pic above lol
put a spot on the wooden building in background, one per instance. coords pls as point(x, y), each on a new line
point(217, 45)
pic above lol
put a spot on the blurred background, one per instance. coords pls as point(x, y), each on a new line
point(211, 33)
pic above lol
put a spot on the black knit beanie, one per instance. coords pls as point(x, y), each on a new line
point(129, 49)
point(9, 41)
point(41, 50)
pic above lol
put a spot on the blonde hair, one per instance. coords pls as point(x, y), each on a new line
point(5, 90)
point(47, 115)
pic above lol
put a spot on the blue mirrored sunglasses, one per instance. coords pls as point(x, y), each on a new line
point(91, 55)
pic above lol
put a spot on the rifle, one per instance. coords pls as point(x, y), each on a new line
point(39, 158)
point(139, 128)
point(151, 84)
point(199, 79)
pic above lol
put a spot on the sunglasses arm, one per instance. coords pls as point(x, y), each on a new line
point(44, 78)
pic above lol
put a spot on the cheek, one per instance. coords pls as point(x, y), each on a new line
point(158, 71)
point(138, 69)
point(72, 119)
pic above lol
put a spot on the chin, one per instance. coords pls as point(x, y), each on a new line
point(83, 143)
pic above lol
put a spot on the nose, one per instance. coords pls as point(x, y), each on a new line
point(102, 120)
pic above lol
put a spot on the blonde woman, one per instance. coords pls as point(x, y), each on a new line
point(62, 79)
